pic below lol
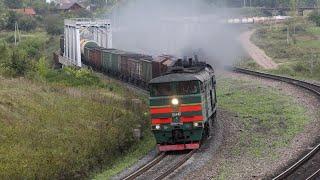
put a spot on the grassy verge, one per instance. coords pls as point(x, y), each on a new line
point(62, 124)
point(264, 112)
point(59, 131)
point(269, 119)
point(301, 57)
point(132, 156)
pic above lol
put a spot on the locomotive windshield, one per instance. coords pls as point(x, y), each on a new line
point(187, 87)
point(175, 88)
point(162, 89)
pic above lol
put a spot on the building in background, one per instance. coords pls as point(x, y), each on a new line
point(25, 11)
point(68, 7)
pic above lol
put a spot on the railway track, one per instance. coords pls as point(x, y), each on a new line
point(160, 171)
point(308, 167)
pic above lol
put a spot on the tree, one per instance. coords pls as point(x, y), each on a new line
point(27, 23)
point(14, 4)
point(3, 16)
point(13, 17)
point(54, 25)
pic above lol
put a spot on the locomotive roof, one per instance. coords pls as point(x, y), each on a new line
point(202, 76)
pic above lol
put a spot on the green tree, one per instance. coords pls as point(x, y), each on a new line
point(14, 4)
point(13, 17)
point(3, 16)
point(54, 25)
point(27, 23)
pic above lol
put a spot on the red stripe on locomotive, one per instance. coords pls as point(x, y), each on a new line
point(187, 108)
point(161, 121)
point(161, 110)
point(191, 119)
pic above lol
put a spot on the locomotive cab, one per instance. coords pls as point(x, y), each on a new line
point(182, 105)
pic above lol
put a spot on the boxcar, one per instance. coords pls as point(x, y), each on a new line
point(95, 58)
point(146, 71)
point(136, 68)
point(111, 60)
point(160, 64)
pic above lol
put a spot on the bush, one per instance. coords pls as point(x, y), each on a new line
point(42, 68)
point(27, 23)
point(54, 25)
point(13, 17)
point(14, 62)
point(33, 46)
point(69, 76)
point(18, 64)
point(315, 17)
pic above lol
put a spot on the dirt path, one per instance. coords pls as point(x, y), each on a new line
point(257, 54)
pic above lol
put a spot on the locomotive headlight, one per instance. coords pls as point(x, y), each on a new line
point(158, 127)
point(175, 101)
point(197, 124)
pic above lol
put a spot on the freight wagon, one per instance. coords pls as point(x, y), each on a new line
point(131, 67)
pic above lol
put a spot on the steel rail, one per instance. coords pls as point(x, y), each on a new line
point(176, 166)
point(298, 164)
point(309, 86)
point(303, 84)
point(146, 167)
point(314, 175)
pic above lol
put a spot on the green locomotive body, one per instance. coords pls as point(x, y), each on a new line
point(183, 107)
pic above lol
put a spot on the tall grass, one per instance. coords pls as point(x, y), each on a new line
point(54, 132)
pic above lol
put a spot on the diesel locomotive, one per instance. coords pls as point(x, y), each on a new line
point(183, 106)
point(182, 92)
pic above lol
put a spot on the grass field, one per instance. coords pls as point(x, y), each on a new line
point(301, 57)
point(52, 131)
point(270, 119)
point(265, 112)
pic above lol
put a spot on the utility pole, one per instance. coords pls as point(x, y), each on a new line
point(318, 6)
point(16, 34)
point(288, 35)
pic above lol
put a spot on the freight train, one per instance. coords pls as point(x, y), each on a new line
point(182, 91)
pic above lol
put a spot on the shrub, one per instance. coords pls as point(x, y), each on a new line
point(42, 68)
point(33, 46)
point(315, 17)
point(54, 25)
point(69, 76)
point(27, 23)
point(18, 64)
point(13, 17)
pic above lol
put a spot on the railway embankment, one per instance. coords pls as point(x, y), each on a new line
point(67, 125)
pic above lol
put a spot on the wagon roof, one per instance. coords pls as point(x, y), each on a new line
point(114, 51)
point(127, 54)
point(175, 77)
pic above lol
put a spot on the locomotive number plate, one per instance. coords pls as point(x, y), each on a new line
point(176, 114)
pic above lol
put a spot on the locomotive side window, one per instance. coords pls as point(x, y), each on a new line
point(162, 89)
point(188, 87)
